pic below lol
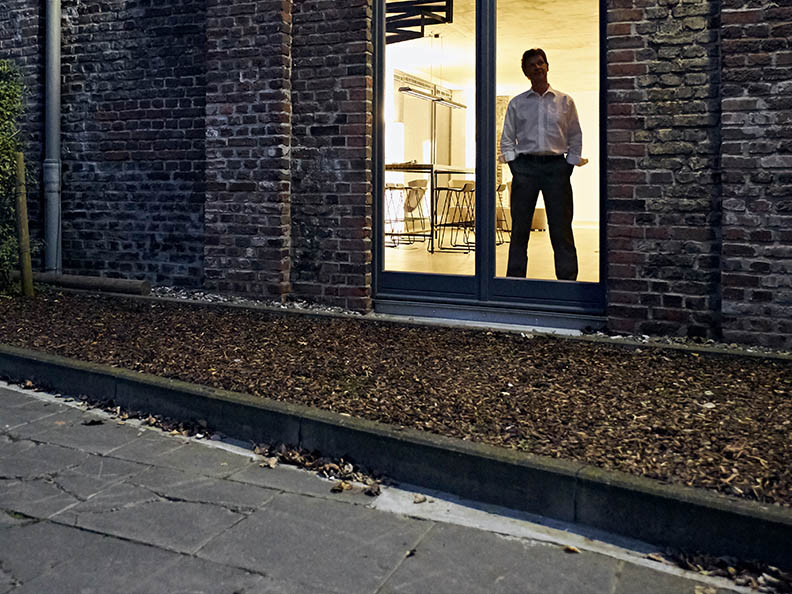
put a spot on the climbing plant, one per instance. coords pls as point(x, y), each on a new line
point(11, 106)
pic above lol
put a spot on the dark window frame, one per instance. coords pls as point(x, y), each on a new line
point(484, 291)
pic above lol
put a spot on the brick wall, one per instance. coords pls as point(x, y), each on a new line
point(228, 145)
point(21, 33)
point(663, 185)
point(132, 131)
point(331, 152)
point(757, 172)
point(133, 139)
point(248, 133)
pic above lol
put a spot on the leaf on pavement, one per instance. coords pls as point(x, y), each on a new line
point(340, 487)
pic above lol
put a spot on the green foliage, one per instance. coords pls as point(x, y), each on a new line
point(11, 106)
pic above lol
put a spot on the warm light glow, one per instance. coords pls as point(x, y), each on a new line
point(394, 150)
point(470, 127)
point(427, 151)
point(394, 142)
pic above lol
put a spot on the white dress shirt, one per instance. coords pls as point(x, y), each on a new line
point(542, 125)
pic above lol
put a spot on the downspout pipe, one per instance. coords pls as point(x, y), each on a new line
point(52, 138)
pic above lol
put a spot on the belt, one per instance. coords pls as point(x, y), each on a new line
point(539, 158)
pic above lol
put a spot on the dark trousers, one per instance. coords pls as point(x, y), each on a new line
point(550, 175)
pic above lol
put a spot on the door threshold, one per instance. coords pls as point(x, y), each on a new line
point(512, 319)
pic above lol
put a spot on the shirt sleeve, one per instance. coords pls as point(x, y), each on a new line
point(508, 140)
point(574, 135)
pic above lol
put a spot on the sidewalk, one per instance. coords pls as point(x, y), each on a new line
point(91, 505)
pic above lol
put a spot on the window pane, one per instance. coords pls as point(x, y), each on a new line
point(428, 202)
point(570, 38)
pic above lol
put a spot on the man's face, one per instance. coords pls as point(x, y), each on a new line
point(536, 68)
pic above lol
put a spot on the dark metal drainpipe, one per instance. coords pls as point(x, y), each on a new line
point(52, 142)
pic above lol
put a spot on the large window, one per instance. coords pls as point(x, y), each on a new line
point(430, 204)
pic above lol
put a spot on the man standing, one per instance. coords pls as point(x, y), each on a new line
point(542, 143)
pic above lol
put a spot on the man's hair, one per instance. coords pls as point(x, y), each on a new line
point(537, 51)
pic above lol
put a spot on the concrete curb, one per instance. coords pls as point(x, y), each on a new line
point(664, 515)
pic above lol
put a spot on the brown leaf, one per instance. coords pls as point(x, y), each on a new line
point(340, 487)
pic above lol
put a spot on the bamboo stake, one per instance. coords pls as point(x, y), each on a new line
point(22, 227)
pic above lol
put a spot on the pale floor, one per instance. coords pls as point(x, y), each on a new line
point(415, 257)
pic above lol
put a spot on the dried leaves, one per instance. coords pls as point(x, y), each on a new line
point(753, 574)
point(721, 423)
point(344, 472)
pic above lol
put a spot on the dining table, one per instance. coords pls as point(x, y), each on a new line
point(433, 170)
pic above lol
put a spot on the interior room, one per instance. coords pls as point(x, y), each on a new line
point(430, 150)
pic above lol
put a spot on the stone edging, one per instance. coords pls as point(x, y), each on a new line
point(661, 514)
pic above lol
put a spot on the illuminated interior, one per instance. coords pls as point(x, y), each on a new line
point(430, 148)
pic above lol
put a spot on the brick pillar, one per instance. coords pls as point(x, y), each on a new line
point(663, 148)
point(332, 145)
point(248, 129)
point(757, 172)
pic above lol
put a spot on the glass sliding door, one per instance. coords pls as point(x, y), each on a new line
point(569, 37)
point(449, 210)
point(428, 199)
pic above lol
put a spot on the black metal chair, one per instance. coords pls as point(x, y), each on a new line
point(502, 227)
point(458, 216)
point(415, 221)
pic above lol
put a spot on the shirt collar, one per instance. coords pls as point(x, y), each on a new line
point(550, 91)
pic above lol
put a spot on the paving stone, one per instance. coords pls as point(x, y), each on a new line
point(132, 520)
point(12, 398)
point(214, 462)
point(70, 428)
point(30, 550)
point(51, 417)
point(22, 458)
point(7, 582)
point(325, 545)
point(39, 498)
point(147, 446)
point(297, 480)
point(48, 558)
point(111, 499)
point(189, 575)
point(139, 514)
point(9, 519)
point(11, 417)
point(639, 578)
point(96, 474)
point(177, 484)
point(453, 559)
